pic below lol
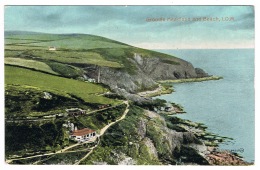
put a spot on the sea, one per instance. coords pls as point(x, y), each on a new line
point(225, 106)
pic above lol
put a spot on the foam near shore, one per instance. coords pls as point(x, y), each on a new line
point(191, 79)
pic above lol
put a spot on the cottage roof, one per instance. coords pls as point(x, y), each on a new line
point(82, 132)
point(74, 110)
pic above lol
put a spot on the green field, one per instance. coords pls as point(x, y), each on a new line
point(77, 49)
point(62, 41)
point(63, 86)
point(37, 65)
point(73, 57)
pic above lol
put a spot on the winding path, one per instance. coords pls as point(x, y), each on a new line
point(102, 131)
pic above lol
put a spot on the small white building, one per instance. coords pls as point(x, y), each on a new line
point(75, 111)
point(52, 48)
point(91, 80)
point(83, 134)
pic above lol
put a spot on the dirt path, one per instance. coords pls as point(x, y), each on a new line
point(53, 118)
point(147, 93)
point(57, 152)
point(102, 131)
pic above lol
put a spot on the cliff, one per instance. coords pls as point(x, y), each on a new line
point(145, 138)
point(82, 56)
point(147, 70)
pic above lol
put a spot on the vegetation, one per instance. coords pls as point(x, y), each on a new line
point(62, 86)
point(63, 41)
point(77, 49)
point(65, 70)
point(27, 137)
point(60, 159)
point(125, 132)
point(150, 105)
point(100, 119)
point(40, 82)
point(24, 101)
point(37, 65)
point(50, 135)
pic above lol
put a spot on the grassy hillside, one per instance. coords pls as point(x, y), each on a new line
point(63, 86)
point(76, 49)
point(37, 65)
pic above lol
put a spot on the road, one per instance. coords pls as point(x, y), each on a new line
point(52, 118)
point(102, 131)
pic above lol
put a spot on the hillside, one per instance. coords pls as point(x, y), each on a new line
point(48, 75)
point(82, 56)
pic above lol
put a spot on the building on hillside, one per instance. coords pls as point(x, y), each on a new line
point(91, 80)
point(75, 111)
point(83, 135)
point(52, 48)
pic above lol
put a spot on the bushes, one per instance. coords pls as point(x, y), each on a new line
point(101, 118)
point(33, 137)
point(65, 70)
point(151, 104)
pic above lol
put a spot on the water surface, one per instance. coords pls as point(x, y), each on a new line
point(226, 106)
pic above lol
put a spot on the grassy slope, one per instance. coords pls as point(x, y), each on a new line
point(87, 91)
point(37, 65)
point(77, 48)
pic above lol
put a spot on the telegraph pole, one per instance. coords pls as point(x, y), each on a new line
point(99, 74)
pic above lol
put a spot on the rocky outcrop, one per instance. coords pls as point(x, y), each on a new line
point(147, 70)
point(201, 73)
point(148, 138)
point(158, 69)
point(224, 158)
point(166, 145)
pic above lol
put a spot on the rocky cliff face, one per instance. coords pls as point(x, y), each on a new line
point(144, 138)
point(147, 70)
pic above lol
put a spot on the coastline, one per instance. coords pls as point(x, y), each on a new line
point(191, 79)
point(211, 141)
point(162, 89)
point(166, 88)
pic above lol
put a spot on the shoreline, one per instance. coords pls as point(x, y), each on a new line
point(162, 89)
point(210, 148)
point(191, 79)
point(165, 88)
point(214, 155)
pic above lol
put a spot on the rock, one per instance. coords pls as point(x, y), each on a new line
point(138, 58)
point(148, 70)
point(224, 158)
point(201, 73)
point(141, 128)
point(127, 161)
point(149, 144)
point(47, 96)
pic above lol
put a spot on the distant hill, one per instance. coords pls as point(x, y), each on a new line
point(116, 64)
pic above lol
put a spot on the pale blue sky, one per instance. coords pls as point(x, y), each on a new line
point(128, 24)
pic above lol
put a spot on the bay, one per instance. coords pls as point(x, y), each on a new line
point(225, 106)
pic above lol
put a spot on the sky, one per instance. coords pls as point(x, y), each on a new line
point(151, 27)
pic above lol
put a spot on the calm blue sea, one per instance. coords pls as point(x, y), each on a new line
point(226, 106)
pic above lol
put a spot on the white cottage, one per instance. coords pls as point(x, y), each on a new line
point(52, 48)
point(83, 134)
